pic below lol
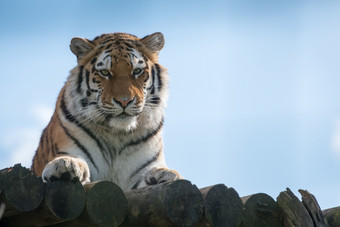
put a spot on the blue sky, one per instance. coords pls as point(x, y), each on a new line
point(254, 85)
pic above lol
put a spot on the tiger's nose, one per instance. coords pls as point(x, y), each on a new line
point(124, 102)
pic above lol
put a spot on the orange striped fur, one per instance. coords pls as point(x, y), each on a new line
point(108, 118)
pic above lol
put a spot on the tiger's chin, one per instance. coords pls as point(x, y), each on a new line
point(123, 123)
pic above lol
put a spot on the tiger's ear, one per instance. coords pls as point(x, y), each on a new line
point(154, 42)
point(80, 47)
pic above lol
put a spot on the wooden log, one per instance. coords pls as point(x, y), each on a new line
point(64, 200)
point(222, 206)
point(177, 203)
point(106, 205)
point(313, 208)
point(22, 190)
point(260, 210)
point(294, 213)
point(2, 209)
point(2, 203)
point(332, 216)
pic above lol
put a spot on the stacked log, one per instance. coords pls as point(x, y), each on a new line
point(260, 210)
point(222, 206)
point(176, 203)
point(22, 190)
point(105, 205)
point(26, 201)
point(332, 216)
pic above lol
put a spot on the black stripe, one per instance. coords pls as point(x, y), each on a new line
point(153, 81)
point(72, 119)
point(153, 159)
point(84, 102)
point(93, 60)
point(109, 39)
point(95, 81)
point(77, 143)
point(154, 100)
point(147, 77)
point(143, 139)
point(109, 36)
point(106, 57)
point(134, 55)
point(159, 76)
point(80, 78)
point(135, 185)
point(128, 45)
point(145, 58)
point(87, 74)
point(47, 142)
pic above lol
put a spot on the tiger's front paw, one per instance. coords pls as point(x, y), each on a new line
point(66, 168)
point(161, 175)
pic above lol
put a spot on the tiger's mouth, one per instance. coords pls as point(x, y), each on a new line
point(122, 121)
point(121, 116)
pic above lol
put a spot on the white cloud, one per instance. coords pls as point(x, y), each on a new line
point(42, 113)
point(335, 143)
point(21, 143)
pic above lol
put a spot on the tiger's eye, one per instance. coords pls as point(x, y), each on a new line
point(104, 72)
point(137, 71)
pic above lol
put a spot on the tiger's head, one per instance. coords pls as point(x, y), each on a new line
point(118, 81)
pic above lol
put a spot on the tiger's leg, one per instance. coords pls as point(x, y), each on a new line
point(160, 175)
point(66, 168)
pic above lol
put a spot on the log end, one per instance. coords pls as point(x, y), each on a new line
point(183, 202)
point(23, 190)
point(260, 210)
point(293, 211)
point(106, 204)
point(65, 199)
point(223, 207)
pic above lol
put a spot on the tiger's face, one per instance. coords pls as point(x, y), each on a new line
point(120, 77)
point(116, 77)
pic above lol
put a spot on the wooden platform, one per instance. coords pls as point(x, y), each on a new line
point(26, 201)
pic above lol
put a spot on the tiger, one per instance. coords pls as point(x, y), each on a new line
point(109, 115)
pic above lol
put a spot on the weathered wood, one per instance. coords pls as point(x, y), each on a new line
point(106, 205)
point(2, 209)
point(313, 208)
point(260, 210)
point(332, 216)
point(2, 203)
point(177, 203)
point(22, 190)
point(294, 213)
point(64, 200)
point(222, 206)
point(108, 210)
